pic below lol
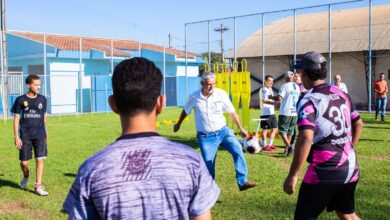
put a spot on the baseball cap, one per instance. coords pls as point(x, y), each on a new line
point(288, 74)
point(312, 60)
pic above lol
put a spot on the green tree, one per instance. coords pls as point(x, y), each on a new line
point(215, 58)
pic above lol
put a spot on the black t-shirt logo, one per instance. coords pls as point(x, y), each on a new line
point(40, 106)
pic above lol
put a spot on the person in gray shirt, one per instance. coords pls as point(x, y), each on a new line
point(141, 175)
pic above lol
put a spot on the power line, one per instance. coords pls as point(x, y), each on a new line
point(133, 24)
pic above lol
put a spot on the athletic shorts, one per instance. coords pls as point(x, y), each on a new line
point(39, 146)
point(270, 122)
point(313, 198)
point(287, 124)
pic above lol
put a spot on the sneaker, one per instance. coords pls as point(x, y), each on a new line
point(247, 185)
point(273, 147)
point(267, 148)
point(23, 183)
point(285, 151)
point(41, 191)
point(290, 150)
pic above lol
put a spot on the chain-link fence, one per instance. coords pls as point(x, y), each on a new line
point(66, 92)
point(352, 35)
point(76, 72)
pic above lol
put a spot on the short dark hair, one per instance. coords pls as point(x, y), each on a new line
point(380, 74)
point(136, 85)
point(31, 78)
point(267, 77)
point(317, 74)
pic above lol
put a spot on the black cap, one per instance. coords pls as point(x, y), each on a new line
point(312, 60)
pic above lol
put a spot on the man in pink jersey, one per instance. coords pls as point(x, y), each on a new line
point(329, 128)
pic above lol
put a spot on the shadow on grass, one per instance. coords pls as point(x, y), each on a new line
point(275, 155)
point(371, 140)
point(376, 122)
point(374, 127)
point(11, 184)
point(187, 141)
point(192, 142)
point(70, 174)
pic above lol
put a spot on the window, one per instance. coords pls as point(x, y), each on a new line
point(35, 69)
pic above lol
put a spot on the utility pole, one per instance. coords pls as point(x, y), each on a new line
point(221, 29)
point(169, 40)
point(4, 68)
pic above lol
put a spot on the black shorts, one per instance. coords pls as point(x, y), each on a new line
point(313, 198)
point(269, 123)
point(40, 149)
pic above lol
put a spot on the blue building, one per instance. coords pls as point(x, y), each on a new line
point(78, 69)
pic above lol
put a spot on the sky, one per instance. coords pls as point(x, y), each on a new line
point(152, 20)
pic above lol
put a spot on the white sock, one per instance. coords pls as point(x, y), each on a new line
point(263, 142)
point(270, 141)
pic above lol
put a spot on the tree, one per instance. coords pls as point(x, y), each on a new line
point(215, 58)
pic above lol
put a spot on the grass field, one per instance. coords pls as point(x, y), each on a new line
point(74, 138)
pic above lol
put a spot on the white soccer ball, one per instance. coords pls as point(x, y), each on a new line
point(251, 145)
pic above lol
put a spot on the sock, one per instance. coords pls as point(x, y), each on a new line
point(37, 185)
point(270, 141)
point(26, 173)
point(263, 142)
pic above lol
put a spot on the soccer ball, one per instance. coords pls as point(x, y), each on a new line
point(251, 145)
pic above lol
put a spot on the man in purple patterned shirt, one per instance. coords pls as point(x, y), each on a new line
point(141, 175)
point(329, 128)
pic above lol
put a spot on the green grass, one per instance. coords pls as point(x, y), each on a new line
point(75, 138)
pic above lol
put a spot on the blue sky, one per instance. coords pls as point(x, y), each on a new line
point(149, 20)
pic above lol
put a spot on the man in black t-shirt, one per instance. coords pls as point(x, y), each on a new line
point(30, 131)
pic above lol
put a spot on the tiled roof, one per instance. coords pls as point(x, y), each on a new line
point(65, 42)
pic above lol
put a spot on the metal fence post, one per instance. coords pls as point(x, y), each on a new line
point(262, 48)
point(330, 43)
point(186, 61)
point(44, 65)
point(164, 69)
point(80, 77)
point(369, 54)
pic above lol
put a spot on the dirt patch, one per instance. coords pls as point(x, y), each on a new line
point(14, 207)
point(22, 207)
point(378, 157)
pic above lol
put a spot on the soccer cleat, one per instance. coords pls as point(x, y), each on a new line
point(285, 151)
point(41, 191)
point(267, 148)
point(290, 151)
point(23, 183)
point(247, 185)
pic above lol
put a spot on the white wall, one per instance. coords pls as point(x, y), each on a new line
point(63, 86)
point(350, 66)
point(192, 71)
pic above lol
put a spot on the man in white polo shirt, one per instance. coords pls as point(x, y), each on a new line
point(210, 103)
